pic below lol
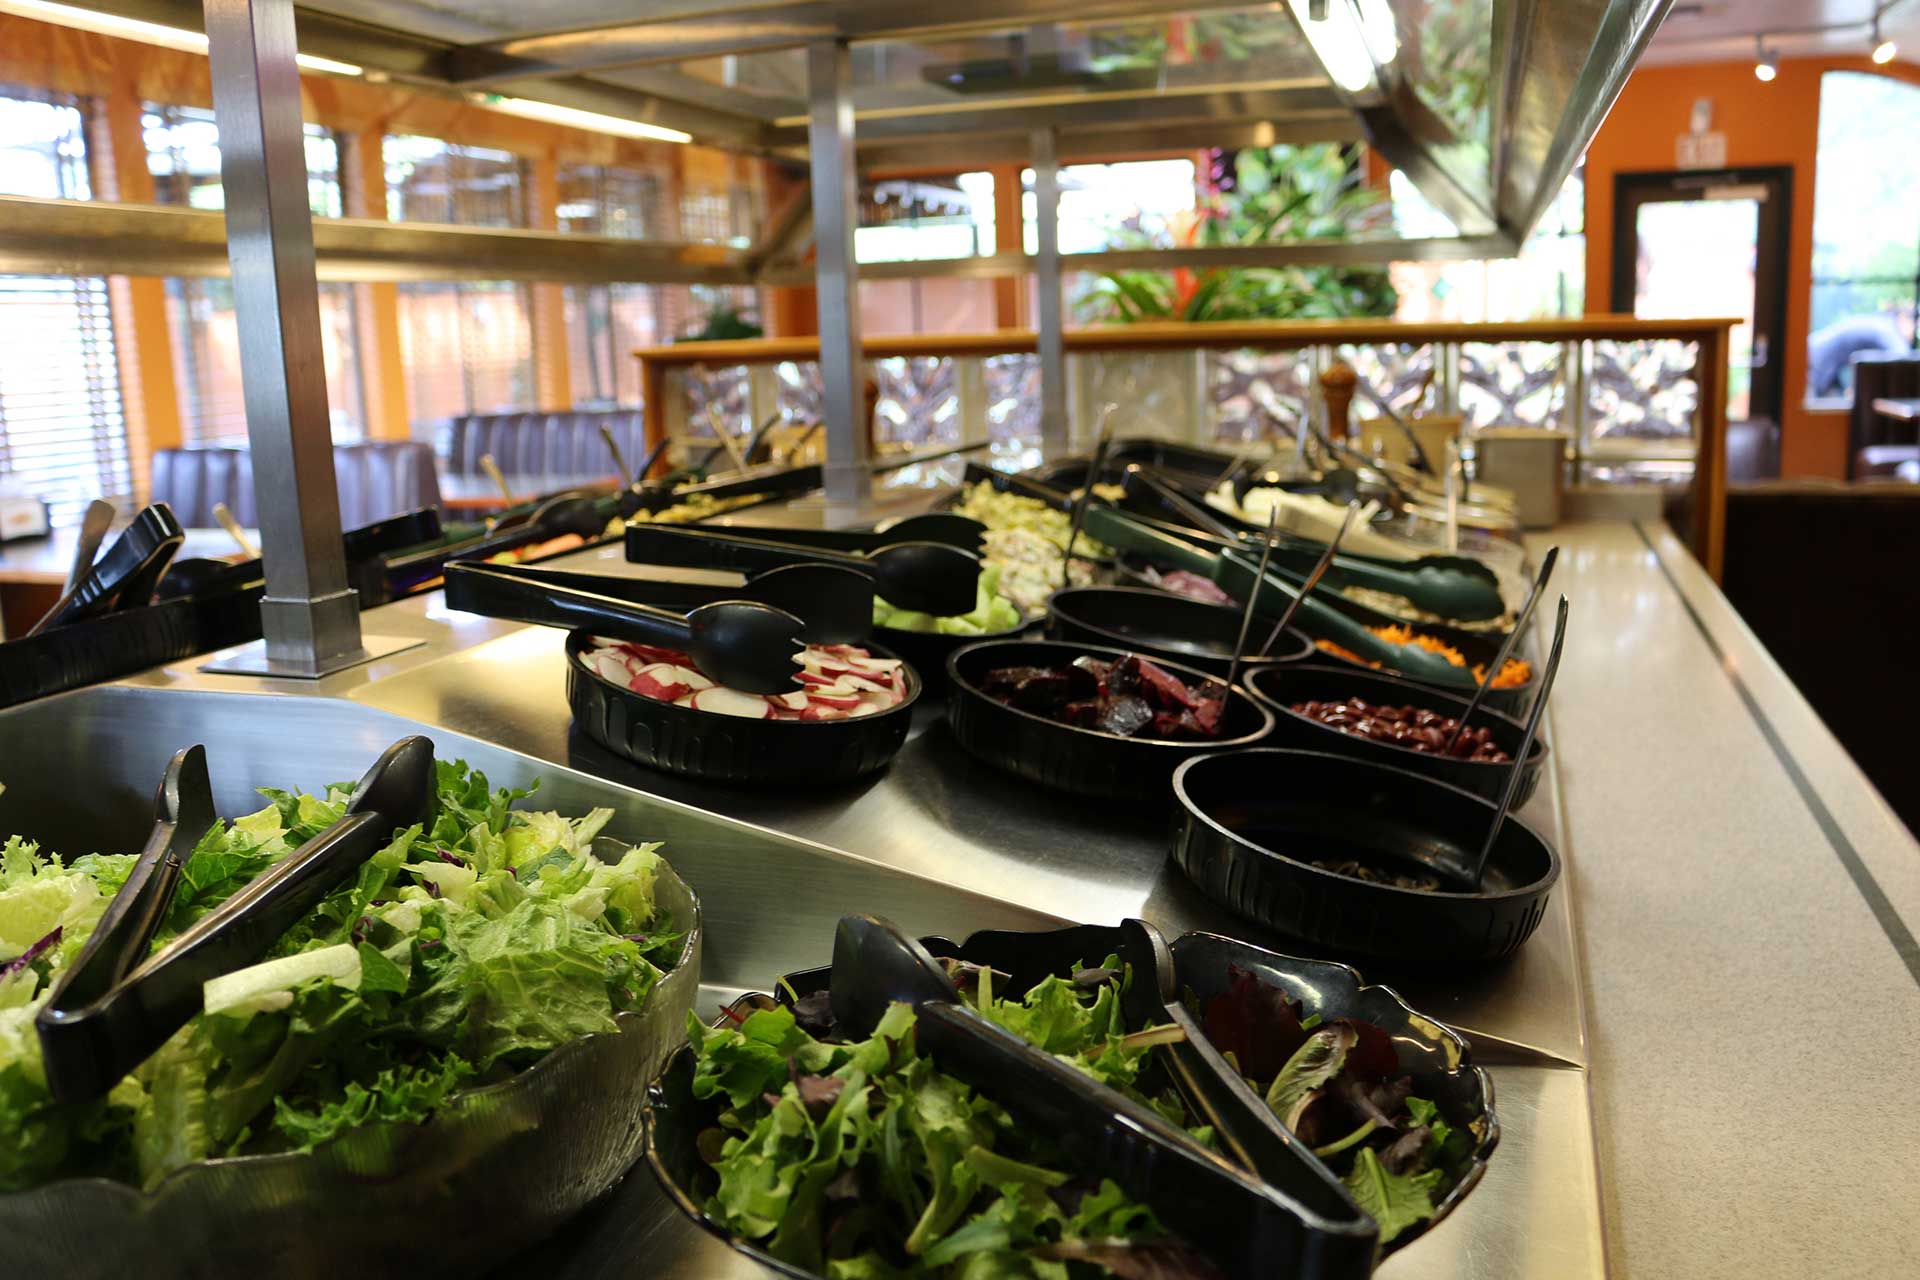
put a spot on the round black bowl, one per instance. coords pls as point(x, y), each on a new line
point(1434, 1055)
point(722, 748)
point(1253, 818)
point(1085, 761)
point(1280, 687)
point(1165, 627)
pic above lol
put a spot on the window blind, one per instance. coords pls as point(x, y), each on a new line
point(467, 348)
point(63, 426)
point(206, 359)
point(63, 429)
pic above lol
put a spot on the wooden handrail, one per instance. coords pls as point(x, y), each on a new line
point(1710, 480)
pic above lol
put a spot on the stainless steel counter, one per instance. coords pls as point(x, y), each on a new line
point(1725, 861)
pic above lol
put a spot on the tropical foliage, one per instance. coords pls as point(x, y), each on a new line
point(1282, 194)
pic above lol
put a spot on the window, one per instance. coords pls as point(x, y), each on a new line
point(1866, 228)
point(63, 428)
point(183, 155)
point(913, 221)
point(1105, 205)
point(602, 200)
point(606, 322)
point(466, 347)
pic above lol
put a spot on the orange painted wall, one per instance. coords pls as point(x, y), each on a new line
point(1765, 124)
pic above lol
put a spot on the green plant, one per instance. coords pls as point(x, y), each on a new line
point(723, 323)
point(1279, 195)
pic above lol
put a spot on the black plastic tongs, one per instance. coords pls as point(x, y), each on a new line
point(1253, 1229)
point(114, 1006)
point(740, 644)
point(926, 577)
point(126, 573)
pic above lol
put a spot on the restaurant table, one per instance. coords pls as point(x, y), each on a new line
point(1701, 1059)
point(478, 493)
point(32, 570)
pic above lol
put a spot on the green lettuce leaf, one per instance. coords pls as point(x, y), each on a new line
point(1394, 1201)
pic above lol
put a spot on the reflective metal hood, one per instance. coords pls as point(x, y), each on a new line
point(1485, 104)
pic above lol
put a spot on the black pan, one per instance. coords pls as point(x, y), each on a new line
point(1281, 688)
point(1166, 627)
point(722, 748)
point(1085, 761)
point(1252, 817)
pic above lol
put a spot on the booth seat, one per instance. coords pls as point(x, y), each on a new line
point(377, 479)
point(545, 444)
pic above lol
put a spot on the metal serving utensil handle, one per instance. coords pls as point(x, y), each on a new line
point(1479, 867)
point(484, 589)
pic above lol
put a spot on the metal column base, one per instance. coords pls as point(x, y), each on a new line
point(252, 660)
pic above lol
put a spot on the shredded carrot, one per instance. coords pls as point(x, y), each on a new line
point(1516, 671)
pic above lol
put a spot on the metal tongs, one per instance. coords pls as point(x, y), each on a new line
point(1253, 1229)
point(115, 1005)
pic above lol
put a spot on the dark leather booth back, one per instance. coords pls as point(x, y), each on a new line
point(1896, 377)
point(1825, 576)
point(545, 444)
point(377, 479)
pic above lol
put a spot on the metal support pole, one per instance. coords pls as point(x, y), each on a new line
point(1046, 294)
point(309, 616)
point(836, 194)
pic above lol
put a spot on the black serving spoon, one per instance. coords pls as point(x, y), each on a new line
point(114, 1006)
point(1247, 1226)
point(923, 577)
point(943, 527)
point(1499, 662)
point(745, 646)
point(1472, 874)
point(835, 605)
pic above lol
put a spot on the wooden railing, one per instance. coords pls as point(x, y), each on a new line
point(1708, 370)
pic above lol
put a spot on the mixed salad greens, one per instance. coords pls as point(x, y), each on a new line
point(1336, 1086)
point(992, 612)
point(863, 1161)
point(461, 953)
point(1027, 540)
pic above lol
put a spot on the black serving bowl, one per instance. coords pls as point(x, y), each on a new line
point(1280, 687)
point(1085, 761)
point(722, 748)
point(1166, 627)
point(1253, 818)
point(1433, 1055)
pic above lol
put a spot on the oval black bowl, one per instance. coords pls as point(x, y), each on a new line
point(1085, 761)
point(1165, 627)
point(1253, 818)
point(1280, 687)
point(1434, 1055)
point(722, 748)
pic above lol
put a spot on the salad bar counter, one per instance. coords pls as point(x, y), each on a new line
point(1191, 1088)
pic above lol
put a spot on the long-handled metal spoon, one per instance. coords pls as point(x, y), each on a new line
point(223, 514)
point(727, 441)
point(1499, 662)
point(93, 530)
point(1479, 867)
point(619, 459)
point(1313, 579)
point(489, 465)
point(1392, 415)
point(1086, 493)
point(1253, 599)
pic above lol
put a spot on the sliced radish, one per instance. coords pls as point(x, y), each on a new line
point(731, 702)
point(863, 684)
point(881, 664)
point(657, 682)
point(838, 701)
point(816, 678)
point(795, 700)
point(864, 709)
point(691, 678)
point(684, 702)
point(607, 665)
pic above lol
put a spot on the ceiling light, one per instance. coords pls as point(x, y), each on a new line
point(1339, 42)
point(551, 113)
point(1883, 50)
point(1765, 65)
point(108, 24)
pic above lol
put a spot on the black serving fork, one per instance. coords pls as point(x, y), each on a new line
point(115, 1005)
point(1252, 1229)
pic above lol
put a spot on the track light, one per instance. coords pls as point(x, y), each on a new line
point(1883, 50)
point(1765, 65)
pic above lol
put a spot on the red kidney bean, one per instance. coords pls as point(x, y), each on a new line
point(1415, 728)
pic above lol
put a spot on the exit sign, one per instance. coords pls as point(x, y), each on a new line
point(1700, 151)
